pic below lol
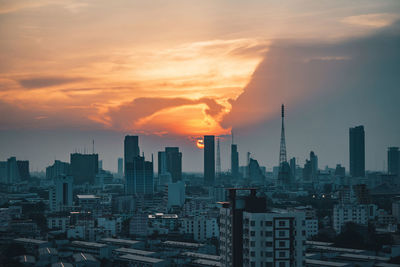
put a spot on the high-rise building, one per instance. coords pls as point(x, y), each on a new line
point(60, 195)
point(23, 169)
point(234, 160)
point(250, 235)
point(255, 172)
point(139, 177)
point(176, 194)
point(307, 171)
point(292, 165)
point(100, 165)
point(120, 167)
point(12, 171)
point(58, 168)
point(357, 151)
point(209, 159)
point(131, 149)
point(393, 161)
point(84, 167)
point(174, 163)
point(340, 170)
point(314, 165)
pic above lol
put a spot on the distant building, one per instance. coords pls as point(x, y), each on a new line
point(60, 195)
point(131, 150)
point(139, 177)
point(202, 227)
point(170, 162)
point(120, 167)
point(357, 151)
point(307, 171)
point(100, 165)
point(84, 167)
point(393, 161)
point(314, 165)
point(292, 164)
point(359, 214)
point(255, 173)
point(234, 161)
point(340, 170)
point(12, 171)
point(209, 159)
point(58, 168)
point(176, 194)
point(23, 169)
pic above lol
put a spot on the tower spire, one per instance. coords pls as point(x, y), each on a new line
point(282, 151)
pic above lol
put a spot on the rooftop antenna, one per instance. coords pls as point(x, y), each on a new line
point(93, 145)
point(282, 151)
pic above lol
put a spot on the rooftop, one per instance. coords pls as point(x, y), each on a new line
point(363, 257)
point(140, 258)
point(134, 251)
point(30, 240)
point(26, 259)
point(61, 264)
point(79, 257)
point(49, 251)
point(204, 262)
point(182, 244)
point(202, 256)
point(120, 241)
point(318, 243)
point(88, 244)
point(86, 197)
point(335, 249)
point(326, 263)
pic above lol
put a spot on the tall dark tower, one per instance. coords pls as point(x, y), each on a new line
point(284, 168)
point(131, 150)
point(209, 159)
point(357, 151)
point(282, 151)
point(234, 160)
point(218, 159)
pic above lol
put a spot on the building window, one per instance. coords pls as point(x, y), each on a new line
point(252, 233)
point(281, 233)
point(282, 223)
point(281, 243)
point(268, 244)
point(252, 223)
point(282, 254)
point(268, 223)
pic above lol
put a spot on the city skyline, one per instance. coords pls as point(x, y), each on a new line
point(122, 86)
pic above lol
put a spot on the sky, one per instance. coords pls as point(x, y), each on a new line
point(172, 71)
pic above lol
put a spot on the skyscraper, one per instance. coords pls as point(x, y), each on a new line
point(139, 177)
point(131, 149)
point(293, 168)
point(120, 167)
point(234, 161)
point(357, 151)
point(174, 163)
point(393, 161)
point(57, 169)
point(314, 165)
point(209, 159)
point(84, 167)
point(12, 171)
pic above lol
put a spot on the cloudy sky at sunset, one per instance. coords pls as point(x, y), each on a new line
point(172, 71)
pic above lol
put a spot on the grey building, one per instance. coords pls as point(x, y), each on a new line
point(393, 161)
point(84, 167)
point(357, 151)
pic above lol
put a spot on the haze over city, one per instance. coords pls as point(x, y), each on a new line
point(75, 71)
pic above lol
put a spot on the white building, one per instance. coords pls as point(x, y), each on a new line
point(60, 222)
point(110, 226)
point(356, 213)
point(202, 227)
point(252, 236)
point(176, 194)
point(60, 195)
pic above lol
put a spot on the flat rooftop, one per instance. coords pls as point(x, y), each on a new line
point(134, 251)
point(335, 249)
point(182, 244)
point(319, 243)
point(207, 262)
point(363, 257)
point(139, 258)
point(202, 256)
point(120, 241)
point(86, 197)
point(30, 240)
point(83, 257)
point(88, 244)
point(326, 263)
point(47, 251)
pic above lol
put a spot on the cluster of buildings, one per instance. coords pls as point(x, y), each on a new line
point(79, 214)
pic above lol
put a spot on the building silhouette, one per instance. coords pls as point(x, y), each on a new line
point(131, 149)
point(84, 167)
point(174, 163)
point(340, 170)
point(120, 167)
point(393, 161)
point(209, 159)
point(357, 151)
point(307, 171)
point(234, 161)
point(284, 173)
point(23, 170)
point(255, 172)
point(292, 164)
point(139, 177)
point(314, 165)
point(57, 169)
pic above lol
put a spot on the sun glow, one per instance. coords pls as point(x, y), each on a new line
point(200, 143)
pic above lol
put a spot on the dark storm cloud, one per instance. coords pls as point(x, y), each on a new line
point(38, 82)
